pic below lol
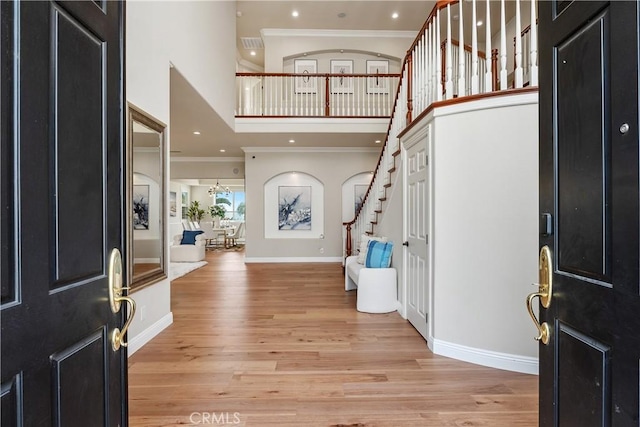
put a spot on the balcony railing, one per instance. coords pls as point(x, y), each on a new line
point(315, 95)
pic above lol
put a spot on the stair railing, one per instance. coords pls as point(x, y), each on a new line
point(433, 72)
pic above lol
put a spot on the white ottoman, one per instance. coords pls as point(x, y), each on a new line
point(377, 287)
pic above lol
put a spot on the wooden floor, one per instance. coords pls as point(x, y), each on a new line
point(283, 345)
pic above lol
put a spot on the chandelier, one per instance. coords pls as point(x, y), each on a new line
point(215, 189)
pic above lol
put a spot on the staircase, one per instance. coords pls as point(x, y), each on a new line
point(437, 72)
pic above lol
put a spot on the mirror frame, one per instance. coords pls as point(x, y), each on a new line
point(150, 277)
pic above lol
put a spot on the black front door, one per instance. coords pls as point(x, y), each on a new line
point(589, 370)
point(61, 154)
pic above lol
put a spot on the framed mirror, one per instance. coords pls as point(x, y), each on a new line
point(146, 189)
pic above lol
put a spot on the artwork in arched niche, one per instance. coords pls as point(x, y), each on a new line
point(353, 191)
point(294, 207)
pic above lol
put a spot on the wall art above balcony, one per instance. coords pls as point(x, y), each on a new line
point(306, 84)
point(341, 84)
point(378, 84)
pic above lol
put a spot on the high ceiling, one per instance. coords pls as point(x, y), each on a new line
point(190, 112)
point(253, 16)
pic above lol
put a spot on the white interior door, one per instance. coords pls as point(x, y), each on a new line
point(416, 238)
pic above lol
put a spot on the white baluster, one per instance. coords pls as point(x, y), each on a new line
point(518, 69)
point(461, 56)
point(474, 49)
point(488, 75)
point(449, 61)
point(427, 68)
point(435, 52)
point(503, 48)
point(277, 95)
point(533, 40)
point(438, 59)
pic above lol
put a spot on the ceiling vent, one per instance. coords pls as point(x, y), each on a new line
point(252, 43)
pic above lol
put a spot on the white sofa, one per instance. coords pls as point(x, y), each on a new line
point(377, 287)
point(187, 253)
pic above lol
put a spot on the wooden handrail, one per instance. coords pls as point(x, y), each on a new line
point(406, 65)
point(329, 75)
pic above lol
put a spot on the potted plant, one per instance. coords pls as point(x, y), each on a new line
point(217, 212)
point(195, 212)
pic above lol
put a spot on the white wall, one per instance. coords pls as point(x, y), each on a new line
point(196, 38)
point(485, 238)
point(281, 44)
point(332, 167)
point(510, 34)
point(390, 224)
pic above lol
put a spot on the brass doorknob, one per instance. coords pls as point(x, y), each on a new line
point(545, 270)
point(116, 298)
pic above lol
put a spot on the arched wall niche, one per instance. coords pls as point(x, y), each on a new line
point(294, 206)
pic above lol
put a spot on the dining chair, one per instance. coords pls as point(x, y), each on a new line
point(237, 233)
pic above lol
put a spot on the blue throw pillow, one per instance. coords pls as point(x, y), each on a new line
point(379, 254)
point(189, 237)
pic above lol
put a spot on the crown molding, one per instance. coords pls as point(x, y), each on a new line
point(249, 150)
point(208, 159)
point(285, 32)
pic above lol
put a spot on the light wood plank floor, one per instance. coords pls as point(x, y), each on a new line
point(283, 345)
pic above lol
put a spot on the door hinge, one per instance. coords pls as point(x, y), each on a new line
point(427, 239)
point(426, 318)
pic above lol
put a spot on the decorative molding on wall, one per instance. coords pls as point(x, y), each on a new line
point(250, 150)
point(492, 359)
point(148, 334)
point(208, 159)
point(281, 32)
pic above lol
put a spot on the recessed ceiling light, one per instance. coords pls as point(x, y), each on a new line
point(395, 15)
point(378, 141)
point(222, 150)
point(195, 132)
point(295, 14)
point(479, 23)
point(291, 141)
point(253, 53)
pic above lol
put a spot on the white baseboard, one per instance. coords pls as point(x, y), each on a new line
point(291, 259)
point(148, 334)
point(492, 359)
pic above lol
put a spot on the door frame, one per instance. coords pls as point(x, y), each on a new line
point(421, 133)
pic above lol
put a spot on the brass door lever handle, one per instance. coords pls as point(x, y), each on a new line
point(116, 299)
point(544, 293)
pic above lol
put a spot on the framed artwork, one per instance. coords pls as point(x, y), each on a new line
point(294, 207)
point(172, 203)
point(305, 84)
point(185, 204)
point(140, 207)
point(359, 192)
point(378, 84)
point(341, 84)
